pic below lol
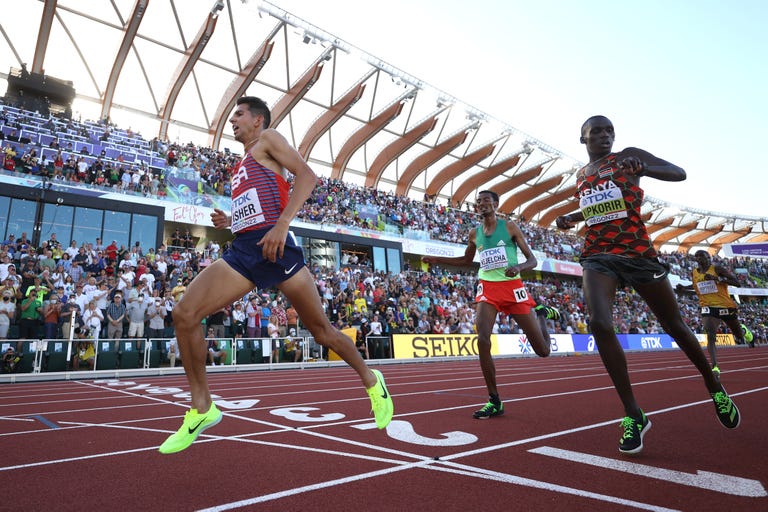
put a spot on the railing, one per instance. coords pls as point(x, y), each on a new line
point(58, 355)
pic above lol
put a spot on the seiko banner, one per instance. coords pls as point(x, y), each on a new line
point(421, 346)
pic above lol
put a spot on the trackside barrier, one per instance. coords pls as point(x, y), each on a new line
point(420, 346)
point(379, 347)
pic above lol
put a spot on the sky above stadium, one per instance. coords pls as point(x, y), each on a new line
point(685, 80)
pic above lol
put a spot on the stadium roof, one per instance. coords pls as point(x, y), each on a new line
point(174, 69)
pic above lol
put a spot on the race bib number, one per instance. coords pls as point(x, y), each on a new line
point(246, 211)
point(521, 294)
point(705, 287)
point(493, 258)
point(602, 204)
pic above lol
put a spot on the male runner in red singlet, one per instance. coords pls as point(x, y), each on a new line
point(262, 255)
point(618, 250)
point(500, 290)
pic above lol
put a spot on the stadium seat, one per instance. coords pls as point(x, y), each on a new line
point(244, 352)
point(27, 363)
point(106, 356)
point(129, 354)
point(155, 353)
point(56, 356)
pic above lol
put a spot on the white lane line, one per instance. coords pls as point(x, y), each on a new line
point(312, 487)
point(615, 421)
point(717, 482)
point(463, 469)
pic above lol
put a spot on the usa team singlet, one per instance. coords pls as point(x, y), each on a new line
point(611, 205)
point(259, 196)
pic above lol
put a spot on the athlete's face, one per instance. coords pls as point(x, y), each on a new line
point(245, 125)
point(598, 135)
point(703, 259)
point(485, 204)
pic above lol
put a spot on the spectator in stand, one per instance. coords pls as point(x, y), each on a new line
point(7, 312)
point(72, 250)
point(156, 314)
point(136, 312)
point(116, 312)
point(266, 312)
point(216, 322)
point(92, 320)
point(214, 350)
point(31, 314)
point(253, 314)
point(70, 313)
point(173, 352)
point(111, 251)
point(51, 312)
point(238, 319)
point(282, 319)
point(292, 318)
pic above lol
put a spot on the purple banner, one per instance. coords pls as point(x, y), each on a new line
point(756, 250)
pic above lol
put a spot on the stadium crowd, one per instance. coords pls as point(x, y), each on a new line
point(128, 292)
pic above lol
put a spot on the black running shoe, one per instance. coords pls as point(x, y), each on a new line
point(634, 430)
point(489, 410)
point(727, 412)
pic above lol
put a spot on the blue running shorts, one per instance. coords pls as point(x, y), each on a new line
point(247, 259)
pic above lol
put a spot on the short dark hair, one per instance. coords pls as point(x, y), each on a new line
point(257, 106)
point(491, 193)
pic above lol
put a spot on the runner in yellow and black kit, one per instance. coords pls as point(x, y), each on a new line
point(618, 250)
point(500, 290)
point(710, 282)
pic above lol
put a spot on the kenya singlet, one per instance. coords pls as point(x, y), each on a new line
point(713, 294)
point(611, 205)
point(497, 252)
point(259, 196)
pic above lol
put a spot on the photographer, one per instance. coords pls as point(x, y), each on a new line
point(10, 360)
point(84, 351)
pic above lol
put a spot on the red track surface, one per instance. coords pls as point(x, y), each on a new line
point(305, 441)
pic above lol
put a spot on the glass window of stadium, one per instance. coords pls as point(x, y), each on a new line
point(21, 218)
point(334, 255)
point(78, 223)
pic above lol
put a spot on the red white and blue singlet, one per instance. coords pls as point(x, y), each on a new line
point(259, 196)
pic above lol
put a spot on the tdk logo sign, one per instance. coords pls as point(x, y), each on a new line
point(650, 342)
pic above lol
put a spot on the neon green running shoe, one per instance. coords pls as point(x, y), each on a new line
point(716, 371)
point(489, 410)
point(381, 401)
point(631, 441)
point(194, 424)
point(726, 410)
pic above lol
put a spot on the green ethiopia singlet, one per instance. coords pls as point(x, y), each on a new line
point(497, 252)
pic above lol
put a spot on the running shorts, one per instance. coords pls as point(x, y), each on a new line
point(247, 259)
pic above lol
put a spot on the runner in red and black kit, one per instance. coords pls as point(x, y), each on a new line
point(618, 251)
point(263, 254)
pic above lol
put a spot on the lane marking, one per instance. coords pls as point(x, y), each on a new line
point(717, 482)
point(462, 469)
point(44, 421)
